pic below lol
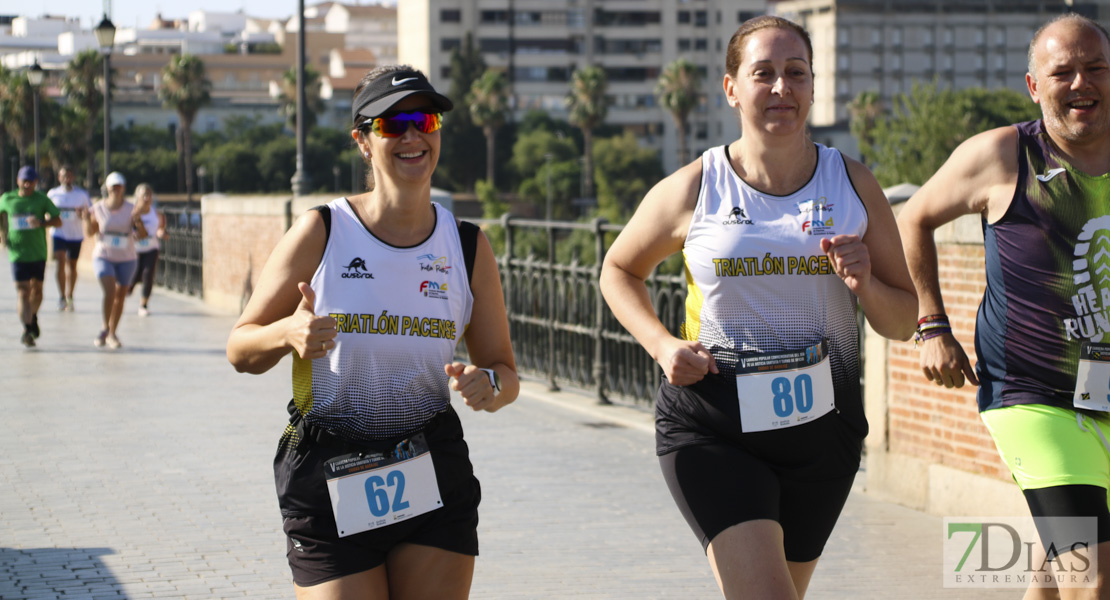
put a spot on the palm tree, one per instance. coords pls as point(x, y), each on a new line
point(5, 118)
point(20, 106)
point(677, 90)
point(185, 88)
point(287, 97)
point(82, 86)
point(67, 126)
point(588, 107)
point(489, 109)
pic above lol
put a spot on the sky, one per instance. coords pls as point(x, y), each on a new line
point(139, 13)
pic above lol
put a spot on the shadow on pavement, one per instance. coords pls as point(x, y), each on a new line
point(68, 572)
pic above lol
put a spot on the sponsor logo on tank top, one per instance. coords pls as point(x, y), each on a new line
point(437, 264)
point(819, 227)
point(1049, 174)
point(737, 216)
point(1091, 276)
point(356, 269)
point(815, 205)
point(434, 289)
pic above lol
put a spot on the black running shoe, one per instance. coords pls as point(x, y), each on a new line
point(34, 327)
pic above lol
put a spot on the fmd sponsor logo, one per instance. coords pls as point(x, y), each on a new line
point(433, 289)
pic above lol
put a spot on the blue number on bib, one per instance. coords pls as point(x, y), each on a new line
point(378, 498)
point(398, 478)
point(782, 402)
point(803, 390)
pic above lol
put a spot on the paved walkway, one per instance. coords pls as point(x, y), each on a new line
point(145, 472)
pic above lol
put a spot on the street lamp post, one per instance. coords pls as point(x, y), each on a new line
point(201, 174)
point(106, 37)
point(34, 77)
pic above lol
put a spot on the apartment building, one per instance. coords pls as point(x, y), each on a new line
point(888, 45)
point(540, 43)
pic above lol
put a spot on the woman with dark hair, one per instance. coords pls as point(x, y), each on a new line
point(759, 420)
point(371, 294)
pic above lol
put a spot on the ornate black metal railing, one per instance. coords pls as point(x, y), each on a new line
point(181, 261)
point(561, 327)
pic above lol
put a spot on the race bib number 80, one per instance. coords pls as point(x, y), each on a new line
point(784, 389)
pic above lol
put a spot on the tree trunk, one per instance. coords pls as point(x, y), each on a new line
point(180, 155)
point(187, 143)
point(588, 162)
point(490, 139)
point(683, 133)
point(90, 156)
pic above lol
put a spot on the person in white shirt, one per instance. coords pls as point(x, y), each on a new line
point(74, 203)
point(149, 246)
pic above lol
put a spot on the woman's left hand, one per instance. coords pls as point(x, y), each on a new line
point(474, 386)
point(850, 260)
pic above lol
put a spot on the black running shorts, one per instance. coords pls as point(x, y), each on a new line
point(315, 551)
point(799, 477)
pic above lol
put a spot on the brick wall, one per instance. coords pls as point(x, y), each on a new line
point(928, 447)
point(931, 421)
point(239, 235)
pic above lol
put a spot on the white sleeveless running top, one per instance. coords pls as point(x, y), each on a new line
point(757, 278)
point(400, 313)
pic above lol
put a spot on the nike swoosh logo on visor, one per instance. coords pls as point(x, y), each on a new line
point(399, 82)
point(1050, 174)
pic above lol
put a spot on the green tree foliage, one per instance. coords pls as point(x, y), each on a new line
point(63, 137)
point(625, 173)
point(533, 166)
point(926, 125)
point(678, 90)
point(459, 165)
point(5, 117)
point(185, 89)
point(154, 165)
point(20, 122)
point(488, 103)
point(588, 106)
point(83, 87)
point(287, 97)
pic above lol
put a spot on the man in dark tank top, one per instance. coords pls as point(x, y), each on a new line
point(1042, 189)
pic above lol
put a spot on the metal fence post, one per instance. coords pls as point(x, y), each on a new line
point(599, 309)
point(551, 362)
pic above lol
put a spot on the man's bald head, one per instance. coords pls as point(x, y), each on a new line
point(1071, 20)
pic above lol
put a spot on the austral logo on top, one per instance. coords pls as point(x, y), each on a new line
point(356, 269)
point(737, 216)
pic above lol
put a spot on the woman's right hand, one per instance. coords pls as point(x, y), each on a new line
point(311, 336)
point(685, 362)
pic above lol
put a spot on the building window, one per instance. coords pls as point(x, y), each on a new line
point(701, 44)
point(927, 36)
point(449, 44)
point(450, 15)
point(843, 62)
point(683, 17)
point(683, 44)
point(701, 18)
point(744, 15)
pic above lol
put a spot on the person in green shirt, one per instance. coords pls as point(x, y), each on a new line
point(25, 213)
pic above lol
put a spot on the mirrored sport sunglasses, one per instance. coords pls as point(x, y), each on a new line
point(395, 125)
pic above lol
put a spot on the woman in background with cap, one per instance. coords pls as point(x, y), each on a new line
point(111, 222)
point(371, 294)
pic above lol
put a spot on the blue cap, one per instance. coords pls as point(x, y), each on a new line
point(28, 173)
